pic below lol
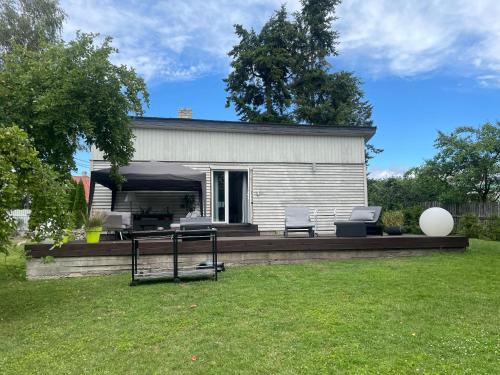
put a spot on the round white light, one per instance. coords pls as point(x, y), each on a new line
point(436, 221)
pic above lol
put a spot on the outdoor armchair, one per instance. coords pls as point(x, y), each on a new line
point(297, 220)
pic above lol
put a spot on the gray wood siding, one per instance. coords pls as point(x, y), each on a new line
point(275, 186)
point(199, 146)
point(330, 187)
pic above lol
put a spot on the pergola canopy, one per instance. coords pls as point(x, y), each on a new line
point(151, 176)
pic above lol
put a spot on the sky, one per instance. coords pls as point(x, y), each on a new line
point(426, 65)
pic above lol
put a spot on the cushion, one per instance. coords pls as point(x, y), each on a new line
point(362, 215)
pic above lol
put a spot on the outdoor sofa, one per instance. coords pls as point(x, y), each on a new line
point(362, 222)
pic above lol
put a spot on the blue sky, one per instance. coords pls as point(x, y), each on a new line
point(426, 65)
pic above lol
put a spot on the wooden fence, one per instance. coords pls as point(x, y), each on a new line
point(483, 210)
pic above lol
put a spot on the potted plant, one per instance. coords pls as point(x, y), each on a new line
point(393, 222)
point(189, 203)
point(93, 226)
point(66, 236)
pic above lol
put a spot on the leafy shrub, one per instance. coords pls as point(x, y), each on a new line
point(393, 218)
point(491, 228)
point(412, 215)
point(23, 174)
point(469, 226)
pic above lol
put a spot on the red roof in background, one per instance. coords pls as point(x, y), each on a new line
point(86, 184)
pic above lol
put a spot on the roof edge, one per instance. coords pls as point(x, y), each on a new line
point(252, 127)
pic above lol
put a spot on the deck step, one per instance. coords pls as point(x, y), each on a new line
point(237, 233)
point(237, 230)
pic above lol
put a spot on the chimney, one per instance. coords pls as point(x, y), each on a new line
point(184, 113)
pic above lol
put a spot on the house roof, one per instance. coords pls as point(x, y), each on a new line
point(252, 127)
point(86, 184)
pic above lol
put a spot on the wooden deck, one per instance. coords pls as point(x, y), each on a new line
point(255, 244)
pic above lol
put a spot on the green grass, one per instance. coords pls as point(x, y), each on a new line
point(429, 315)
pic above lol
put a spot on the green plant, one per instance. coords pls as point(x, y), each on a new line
point(393, 218)
point(95, 220)
point(469, 225)
point(412, 216)
point(48, 259)
point(23, 174)
point(491, 228)
point(169, 214)
point(189, 200)
point(79, 206)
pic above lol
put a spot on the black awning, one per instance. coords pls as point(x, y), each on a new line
point(152, 176)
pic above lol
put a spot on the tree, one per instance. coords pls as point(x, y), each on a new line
point(23, 174)
point(29, 23)
point(79, 210)
point(282, 73)
point(68, 96)
point(334, 99)
point(259, 85)
point(468, 160)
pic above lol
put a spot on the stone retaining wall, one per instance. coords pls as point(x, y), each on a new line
point(60, 267)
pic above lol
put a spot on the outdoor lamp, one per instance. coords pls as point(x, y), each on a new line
point(436, 221)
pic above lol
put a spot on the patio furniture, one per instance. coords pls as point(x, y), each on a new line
point(173, 268)
point(351, 229)
point(297, 220)
point(151, 221)
point(192, 219)
point(117, 222)
point(362, 222)
point(198, 222)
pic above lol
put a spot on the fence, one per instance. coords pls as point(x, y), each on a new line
point(22, 217)
point(483, 210)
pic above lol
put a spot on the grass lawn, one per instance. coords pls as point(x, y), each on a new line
point(427, 315)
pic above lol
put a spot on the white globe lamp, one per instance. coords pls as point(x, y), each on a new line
point(436, 221)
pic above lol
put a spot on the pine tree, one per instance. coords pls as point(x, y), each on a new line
point(259, 85)
point(282, 73)
point(79, 206)
point(71, 194)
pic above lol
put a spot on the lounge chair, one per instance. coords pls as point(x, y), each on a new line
point(297, 220)
point(363, 221)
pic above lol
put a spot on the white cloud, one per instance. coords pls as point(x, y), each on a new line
point(378, 173)
point(412, 37)
point(168, 40)
point(172, 40)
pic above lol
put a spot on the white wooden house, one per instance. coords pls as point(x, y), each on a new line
point(253, 170)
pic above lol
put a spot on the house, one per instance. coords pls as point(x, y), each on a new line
point(86, 183)
point(251, 171)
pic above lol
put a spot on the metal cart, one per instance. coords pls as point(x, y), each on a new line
point(174, 270)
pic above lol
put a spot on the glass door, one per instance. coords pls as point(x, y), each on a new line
point(230, 196)
point(219, 196)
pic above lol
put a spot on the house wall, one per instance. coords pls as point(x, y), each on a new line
point(198, 146)
point(324, 173)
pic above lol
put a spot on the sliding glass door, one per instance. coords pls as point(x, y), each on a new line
point(230, 196)
point(219, 196)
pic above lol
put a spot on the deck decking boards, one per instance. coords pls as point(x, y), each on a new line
point(253, 244)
